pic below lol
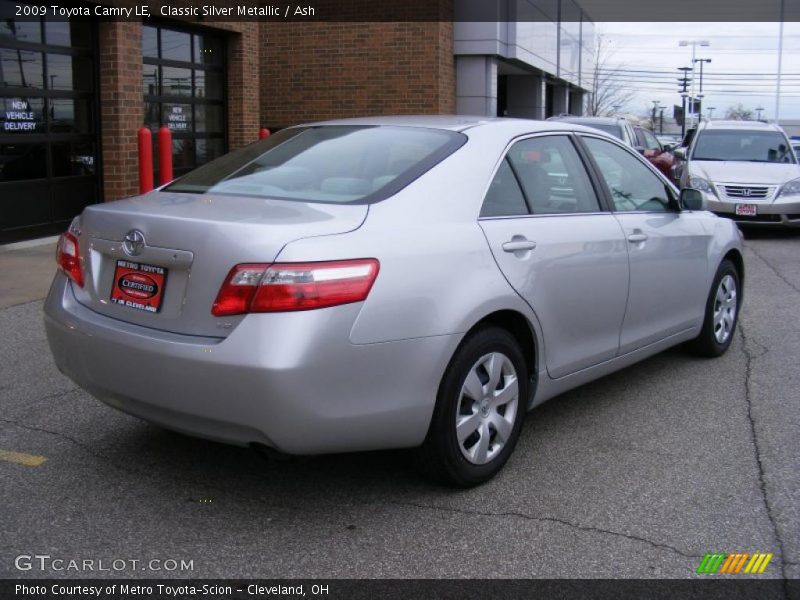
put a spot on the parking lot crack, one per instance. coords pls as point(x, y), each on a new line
point(557, 520)
point(777, 273)
point(762, 482)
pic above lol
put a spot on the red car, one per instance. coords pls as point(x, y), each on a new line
point(653, 151)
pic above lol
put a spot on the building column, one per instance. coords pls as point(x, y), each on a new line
point(560, 99)
point(121, 106)
point(476, 85)
point(576, 103)
point(526, 96)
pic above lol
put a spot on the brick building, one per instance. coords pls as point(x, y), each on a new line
point(74, 93)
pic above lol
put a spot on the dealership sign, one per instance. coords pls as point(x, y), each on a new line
point(18, 116)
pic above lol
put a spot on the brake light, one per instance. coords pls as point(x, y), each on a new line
point(68, 257)
point(282, 287)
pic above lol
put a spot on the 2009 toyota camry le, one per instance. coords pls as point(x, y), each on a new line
point(397, 282)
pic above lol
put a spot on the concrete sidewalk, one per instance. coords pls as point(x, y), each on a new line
point(27, 270)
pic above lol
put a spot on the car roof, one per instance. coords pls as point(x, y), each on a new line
point(462, 123)
point(597, 120)
point(751, 125)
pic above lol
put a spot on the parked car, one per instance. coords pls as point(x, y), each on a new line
point(653, 151)
point(398, 282)
point(747, 170)
point(619, 127)
point(669, 140)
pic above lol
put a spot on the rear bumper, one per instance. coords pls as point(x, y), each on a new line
point(780, 212)
point(291, 381)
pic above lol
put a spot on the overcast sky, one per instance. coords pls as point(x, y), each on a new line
point(743, 68)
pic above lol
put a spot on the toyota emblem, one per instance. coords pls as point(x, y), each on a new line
point(134, 243)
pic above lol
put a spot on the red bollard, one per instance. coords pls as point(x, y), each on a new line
point(263, 133)
point(164, 155)
point(145, 160)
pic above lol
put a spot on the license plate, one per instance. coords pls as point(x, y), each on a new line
point(746, 210)
point(138, 286)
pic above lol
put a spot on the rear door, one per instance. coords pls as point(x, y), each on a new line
point(668, 248)
point(559, 249)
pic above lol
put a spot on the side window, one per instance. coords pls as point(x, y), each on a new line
point(504, 197)
point(650, 141)
point(633, 186)
point(552, 176)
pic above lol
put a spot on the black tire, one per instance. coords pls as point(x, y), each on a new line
point(440, 457)
point(706, 344)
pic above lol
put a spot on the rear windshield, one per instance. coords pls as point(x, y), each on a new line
point(329, 163)
point(749, 146)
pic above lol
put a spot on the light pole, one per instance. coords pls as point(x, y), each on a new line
point(684, 82)
point(700, 93)
point(693, 44)
point(655, 108)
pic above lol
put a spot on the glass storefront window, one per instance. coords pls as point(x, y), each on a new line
point(70, 115)
point(208, 150)
point(184, 90)
point(23, 161)
point(208, 50)
point(176, 45)
point(150, 41)
point(209, 84)
point(20, 68)
point(72, 73)
point(208, 118)
point(48, 145)
point(176, 81)
point(183, 154)
point(150, 79)
point(20, 31)
point(73, 158)
point(76, 34)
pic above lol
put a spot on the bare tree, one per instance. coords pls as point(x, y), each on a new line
point(606, 96)
point(739, 113)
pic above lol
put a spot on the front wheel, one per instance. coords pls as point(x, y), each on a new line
point(722, 313)
point(479, 410)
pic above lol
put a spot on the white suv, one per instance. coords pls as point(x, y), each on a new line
point(747, 170)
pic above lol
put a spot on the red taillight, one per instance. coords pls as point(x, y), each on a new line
point(294, 286)
point(68, 257)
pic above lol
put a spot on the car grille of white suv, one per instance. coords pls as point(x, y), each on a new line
point(748, 192)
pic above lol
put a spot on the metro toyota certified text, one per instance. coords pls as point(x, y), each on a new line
point(415, 282)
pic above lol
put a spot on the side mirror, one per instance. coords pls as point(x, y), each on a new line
point(679, 153)
point(692, 199)
point(640, 149)
point(668, 147)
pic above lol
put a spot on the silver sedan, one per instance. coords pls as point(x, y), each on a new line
point(410, 282)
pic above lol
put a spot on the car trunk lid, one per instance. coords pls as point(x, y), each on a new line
point(180, 247)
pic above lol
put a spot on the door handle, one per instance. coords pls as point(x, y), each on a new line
point(517, 245)
point(635, 238)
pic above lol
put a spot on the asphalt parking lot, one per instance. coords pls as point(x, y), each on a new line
point(636, 475)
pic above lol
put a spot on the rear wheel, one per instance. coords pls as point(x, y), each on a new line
point(722, 313)
point(479, 410)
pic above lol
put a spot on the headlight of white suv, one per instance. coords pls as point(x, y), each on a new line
point(790, 188)
point(704, 185)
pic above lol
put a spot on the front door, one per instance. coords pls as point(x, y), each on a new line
point(664, 245)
